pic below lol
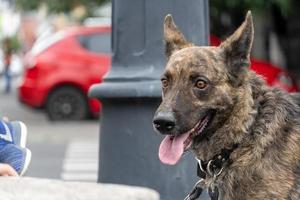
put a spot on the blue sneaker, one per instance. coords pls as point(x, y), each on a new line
point(6, 130)
point(13, 137)
point(19, 133)
point(14, 132)
point(17, 157)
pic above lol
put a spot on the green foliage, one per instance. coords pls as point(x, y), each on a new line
point(27, 5)
point(11, 44)
point(255, 5)
point(56, 6)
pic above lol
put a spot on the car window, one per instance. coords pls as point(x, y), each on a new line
point(99, 43)
point(44, 43)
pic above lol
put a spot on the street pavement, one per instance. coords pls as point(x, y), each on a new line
point(60, 150)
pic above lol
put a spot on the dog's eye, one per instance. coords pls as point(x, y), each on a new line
point(201, 84)
point(164, 83)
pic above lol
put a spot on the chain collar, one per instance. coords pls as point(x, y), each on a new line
point(211, 169)
point(215, 166)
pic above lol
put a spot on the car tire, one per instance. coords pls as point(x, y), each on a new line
point(67, 103)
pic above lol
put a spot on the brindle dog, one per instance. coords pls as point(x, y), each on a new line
point(212, 104)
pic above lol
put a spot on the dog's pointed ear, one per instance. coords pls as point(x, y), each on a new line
point(237, 48)
point(174, 39)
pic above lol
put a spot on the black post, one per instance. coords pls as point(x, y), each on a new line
point(131, 92)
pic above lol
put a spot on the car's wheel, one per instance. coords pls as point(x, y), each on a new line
point(67, 103)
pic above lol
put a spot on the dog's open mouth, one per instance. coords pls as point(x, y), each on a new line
point(172, 147)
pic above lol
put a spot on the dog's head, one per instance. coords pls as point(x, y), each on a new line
point(199, 86)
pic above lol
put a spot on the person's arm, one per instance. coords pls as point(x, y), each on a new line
point(6, 170)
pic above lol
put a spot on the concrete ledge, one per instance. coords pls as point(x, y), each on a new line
point(12, 188)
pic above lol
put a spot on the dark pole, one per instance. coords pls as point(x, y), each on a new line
point(131, 92)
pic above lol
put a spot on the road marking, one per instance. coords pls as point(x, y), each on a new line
point(79, 177)
point(81, 161)
point(80, 166)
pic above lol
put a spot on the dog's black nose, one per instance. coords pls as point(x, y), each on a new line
point(164, 122)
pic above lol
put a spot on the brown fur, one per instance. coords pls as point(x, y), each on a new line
point(264, 121)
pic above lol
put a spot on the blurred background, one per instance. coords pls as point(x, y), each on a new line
point(52, 51)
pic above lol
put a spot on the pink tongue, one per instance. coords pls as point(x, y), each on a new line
point(171, 150)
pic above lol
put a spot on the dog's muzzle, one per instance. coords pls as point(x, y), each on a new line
point(164, 122)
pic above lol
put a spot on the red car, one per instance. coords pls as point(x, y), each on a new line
point(60, 69)
point(274, 76)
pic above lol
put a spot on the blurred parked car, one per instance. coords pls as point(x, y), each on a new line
point(60, 69)
point(274, 75)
